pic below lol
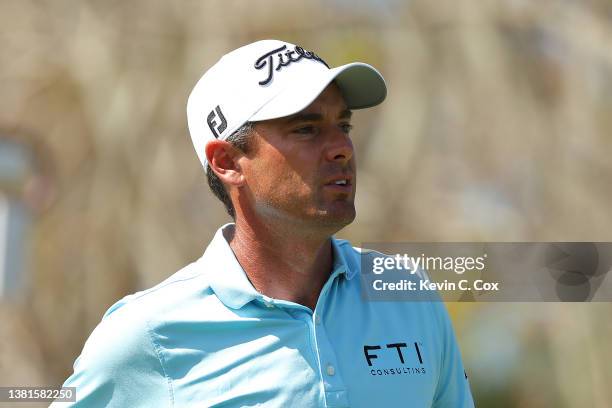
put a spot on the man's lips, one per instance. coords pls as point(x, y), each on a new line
point(341, 183)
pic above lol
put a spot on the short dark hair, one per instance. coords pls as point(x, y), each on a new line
point(240, 139)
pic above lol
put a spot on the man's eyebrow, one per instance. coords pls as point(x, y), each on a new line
point(315, 117)
point(305, 117)
point(346, 114)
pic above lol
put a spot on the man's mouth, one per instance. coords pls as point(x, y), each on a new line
point(343, 183)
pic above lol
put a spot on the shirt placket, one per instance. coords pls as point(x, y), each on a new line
point(333, 384)
point(334, 388)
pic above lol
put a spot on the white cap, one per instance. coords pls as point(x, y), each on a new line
point(270, 79)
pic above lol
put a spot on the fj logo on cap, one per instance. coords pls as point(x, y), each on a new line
point(283, 59)
point(212, 118)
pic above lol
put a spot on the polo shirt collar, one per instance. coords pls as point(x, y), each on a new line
point(229, 281)
point(226, 276)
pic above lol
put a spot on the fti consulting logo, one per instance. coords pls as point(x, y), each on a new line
point(399, 358)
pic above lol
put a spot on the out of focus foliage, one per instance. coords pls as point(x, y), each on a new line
point(497, 127)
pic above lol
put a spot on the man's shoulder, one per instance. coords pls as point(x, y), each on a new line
point(189, 282)
point(127, 327)
point(347, 248)
point(356, 256)
point(365, 257)
point(184, 295)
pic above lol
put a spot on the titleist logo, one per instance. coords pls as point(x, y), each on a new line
point(275, 60)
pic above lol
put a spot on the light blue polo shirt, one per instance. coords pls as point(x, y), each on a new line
point(205, 337)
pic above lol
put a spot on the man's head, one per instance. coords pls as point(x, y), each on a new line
point(270, 124)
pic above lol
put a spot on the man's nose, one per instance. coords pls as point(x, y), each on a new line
point(340, 147)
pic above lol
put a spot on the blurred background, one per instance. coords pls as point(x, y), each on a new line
point(497, 127)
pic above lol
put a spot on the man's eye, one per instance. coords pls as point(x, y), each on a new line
point(346, 127)
point(305, 130)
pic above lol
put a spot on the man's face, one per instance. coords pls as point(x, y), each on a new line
point(301, 168)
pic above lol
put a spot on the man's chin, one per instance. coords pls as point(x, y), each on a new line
point(337, 217)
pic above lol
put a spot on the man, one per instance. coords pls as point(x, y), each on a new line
point(272, 312)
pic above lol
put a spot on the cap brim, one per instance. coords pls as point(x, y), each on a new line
point(361, 85)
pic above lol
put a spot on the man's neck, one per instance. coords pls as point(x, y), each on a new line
point(283, 264)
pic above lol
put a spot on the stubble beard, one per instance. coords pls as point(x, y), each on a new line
point(335, 215)
point(323, 217)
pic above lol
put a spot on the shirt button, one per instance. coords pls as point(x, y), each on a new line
point(268, 304)
point(330, 370)
point(318, 319)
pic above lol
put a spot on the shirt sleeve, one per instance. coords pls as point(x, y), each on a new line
point(119, 366)
point(453, 388)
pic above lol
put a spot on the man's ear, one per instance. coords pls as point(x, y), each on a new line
point(223, 160)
